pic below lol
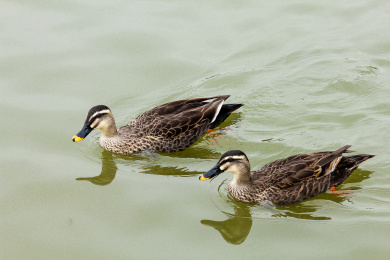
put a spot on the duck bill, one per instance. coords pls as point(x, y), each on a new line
point(83, 133)
point(211, 173)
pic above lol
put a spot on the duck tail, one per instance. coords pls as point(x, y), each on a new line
point(347, 165)
point(358, 159)
point(225, 111)
point(343, 149)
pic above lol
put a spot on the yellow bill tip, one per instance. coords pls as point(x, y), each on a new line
point(76, 138)
point(202, 178)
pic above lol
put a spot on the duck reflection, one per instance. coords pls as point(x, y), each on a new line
point(235, 229)
point(109, 167)
point(107, 175)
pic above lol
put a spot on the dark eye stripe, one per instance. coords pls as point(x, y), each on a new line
point(229, 159)
point(92, 119)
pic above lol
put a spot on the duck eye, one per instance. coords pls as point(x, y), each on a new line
point(228, 160)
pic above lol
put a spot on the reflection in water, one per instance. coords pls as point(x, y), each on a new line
point(109, 167)
point(300, 211)
point(236, 228)
point(108, 172)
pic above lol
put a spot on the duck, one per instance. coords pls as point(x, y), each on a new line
point(289, 180)
point(171, 127)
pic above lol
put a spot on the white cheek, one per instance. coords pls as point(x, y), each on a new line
point(232, 168)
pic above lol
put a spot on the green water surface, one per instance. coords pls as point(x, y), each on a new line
point(313, 76)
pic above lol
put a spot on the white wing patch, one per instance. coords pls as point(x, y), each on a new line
point(218, 109)
point(333, 165)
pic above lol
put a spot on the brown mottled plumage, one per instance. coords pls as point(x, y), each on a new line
point(171, 127)
point(287, 180)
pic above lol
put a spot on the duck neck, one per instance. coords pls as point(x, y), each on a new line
point(109, 129)
point(243, 176)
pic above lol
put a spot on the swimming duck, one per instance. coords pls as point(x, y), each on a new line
point(289, 180)
point(171, 127)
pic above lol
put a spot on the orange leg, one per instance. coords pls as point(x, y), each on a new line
point(336, 192)
point(214, 135)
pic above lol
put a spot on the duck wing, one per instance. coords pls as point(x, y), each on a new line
point(170, 109)
point(300, 177)
point(194, 121)
point(294, 170)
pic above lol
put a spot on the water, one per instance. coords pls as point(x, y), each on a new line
point(312, 76)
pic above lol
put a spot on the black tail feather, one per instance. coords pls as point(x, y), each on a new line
point(225, 111)
point(346, 166)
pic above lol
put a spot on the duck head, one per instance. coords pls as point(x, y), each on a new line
point(234, 161)
point(99, 117)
